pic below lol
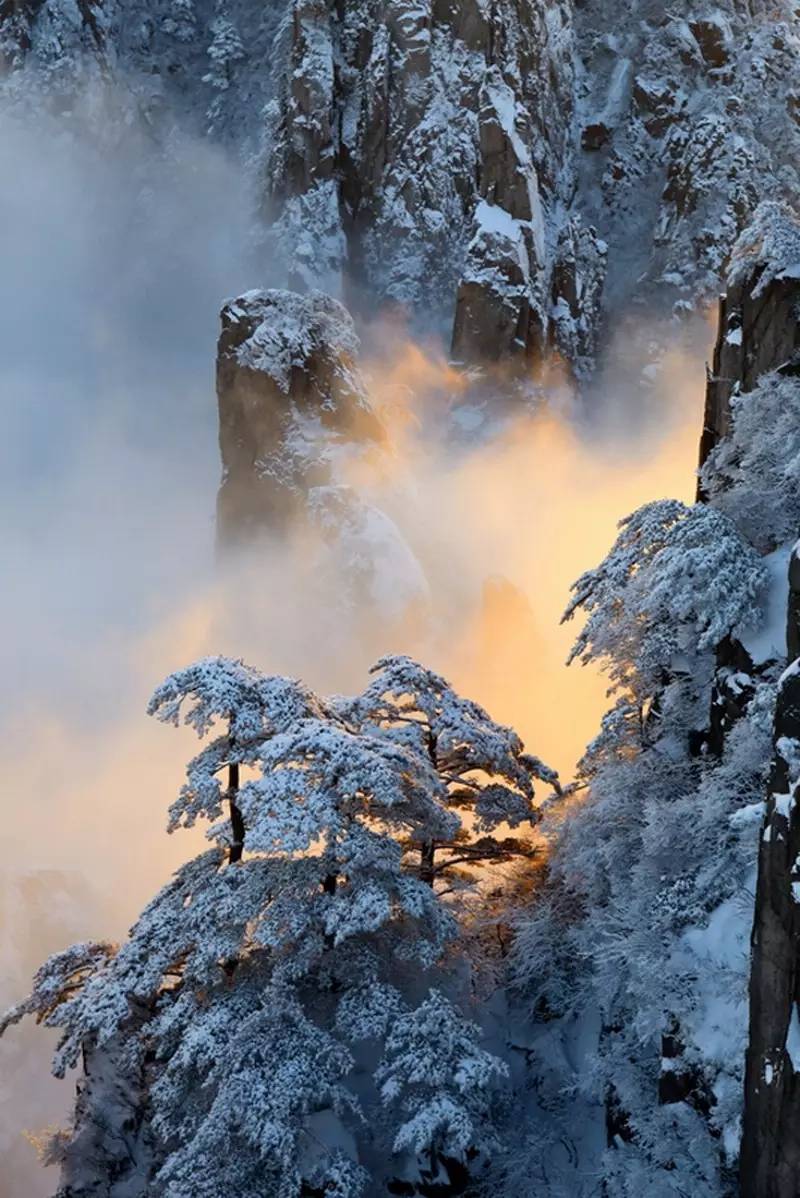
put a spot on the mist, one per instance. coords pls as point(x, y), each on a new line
point(116, 261)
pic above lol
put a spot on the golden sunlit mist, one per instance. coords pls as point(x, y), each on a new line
point(501, 514)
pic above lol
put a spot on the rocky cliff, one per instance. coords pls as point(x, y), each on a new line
point(290, 398)
point(522, 175)
point(761, 332)
point(770, 1165)
point(688, 119)
point(423, 152)
point(485, 156)
point(758, 328)
point(749, 457)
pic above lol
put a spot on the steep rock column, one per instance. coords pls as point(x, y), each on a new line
point(501, 312)
point(290, 397)
point(530, 285)
point(793, 619)
point(310, 98)
point(770, 1163)
point(759, 317)
point(579, 276)
point(760, 331)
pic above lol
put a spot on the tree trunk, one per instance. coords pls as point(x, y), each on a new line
point(427, 851)
point(427, 861)
point(237, 821)
point(770, 1164)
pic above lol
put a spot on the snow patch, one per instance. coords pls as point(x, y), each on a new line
point(784, 804)
point(793, 1039)
point(745, 817)
point(766, 641)
point(495, 219)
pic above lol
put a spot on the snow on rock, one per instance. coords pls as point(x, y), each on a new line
point(793, 1039)
point(370, 552)
point(290, 396)
point(286, 329)
point(753, 393)
point(494, 320)
point(766, 641)
point(373, 135)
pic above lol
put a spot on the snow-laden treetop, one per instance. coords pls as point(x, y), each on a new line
point(676, 582)
point(234, 999)
point(409, 746)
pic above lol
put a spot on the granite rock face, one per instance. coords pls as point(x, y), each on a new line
point(290, 398)
point(757, 351)
point(442, 156)
point(683, 114)
point(759, 317)
point(770, 1161)
point(423, 166)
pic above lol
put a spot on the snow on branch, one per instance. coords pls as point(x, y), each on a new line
point(676, 582)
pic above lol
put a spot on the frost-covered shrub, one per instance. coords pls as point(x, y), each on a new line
point(753, 475)
point(770, 245)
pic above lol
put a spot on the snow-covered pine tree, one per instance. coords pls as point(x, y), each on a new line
point(677, 581)
point(634, 940)
point(752, 473)
point(181, 20)
point(435, 1073)
point(224, 52)
point(226, 1019)
point(482, 765)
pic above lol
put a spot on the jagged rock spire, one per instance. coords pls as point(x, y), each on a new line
point(289, 391)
